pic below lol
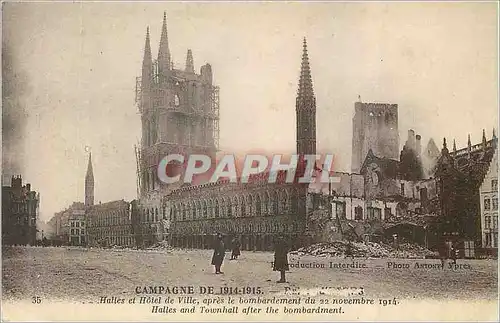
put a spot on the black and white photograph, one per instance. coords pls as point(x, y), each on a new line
point(250, 161)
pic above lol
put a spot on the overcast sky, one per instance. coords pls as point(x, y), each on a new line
point(438, 61)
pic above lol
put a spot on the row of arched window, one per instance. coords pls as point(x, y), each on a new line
point(109, 218)
point(108, 231)
point(258, 204)
point(152, 215)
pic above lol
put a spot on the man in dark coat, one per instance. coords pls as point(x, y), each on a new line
point(444, 251)
point(236, 248)
point(348, 251)
point(281, 257)
point(454, 254)
point(219, 253)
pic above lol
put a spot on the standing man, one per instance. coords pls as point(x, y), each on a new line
point(443, 252)
point(348, 250)
point(219, 253)
point(235, 248)
point(281, 257)
point(454, 254)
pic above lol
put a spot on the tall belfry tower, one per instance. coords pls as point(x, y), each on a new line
point(89, 184)
point(306, 108)
point(179, 111)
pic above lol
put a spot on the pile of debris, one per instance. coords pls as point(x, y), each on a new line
point(364, 250)
point(409, 250)
point(162, 245)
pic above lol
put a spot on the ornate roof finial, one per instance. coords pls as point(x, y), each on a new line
point(454, 146)
point(444, 143)
point(494, 135)
point(468, 141)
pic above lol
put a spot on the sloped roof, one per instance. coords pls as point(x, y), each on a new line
point(475, 164)
point(388, 166)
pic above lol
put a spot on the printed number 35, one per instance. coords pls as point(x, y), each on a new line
point(36, 300)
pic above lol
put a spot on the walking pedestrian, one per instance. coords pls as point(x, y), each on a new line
point(348, 251)
point(219, 253)
point(444, 251)
point(454, 254)
point(281, 257)
point(235, 249)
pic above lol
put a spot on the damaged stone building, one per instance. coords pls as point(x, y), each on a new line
point(179, 111)
point(255, 212)
point(375, 205)
point(390, 192)
point(467, 181)
point(20, 212)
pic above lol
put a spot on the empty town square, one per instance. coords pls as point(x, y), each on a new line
point(85, 275)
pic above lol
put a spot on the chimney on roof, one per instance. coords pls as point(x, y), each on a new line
point(418, 146)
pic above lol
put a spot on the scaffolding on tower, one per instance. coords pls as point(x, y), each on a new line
point(138, 92)
point(215, 111)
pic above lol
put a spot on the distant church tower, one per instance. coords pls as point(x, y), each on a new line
point(306, 109)
point(89, 184)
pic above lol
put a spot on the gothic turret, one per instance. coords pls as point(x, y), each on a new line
point(305, 108)
point(164, 59)
point(445, 148)
point(89, 184)
point(189, 62)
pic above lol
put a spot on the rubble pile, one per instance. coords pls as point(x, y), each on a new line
point(409, 250)
point(162, 245)
point(364, 250)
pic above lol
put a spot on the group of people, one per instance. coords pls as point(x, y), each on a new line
point(281, 248)
point(448, 251)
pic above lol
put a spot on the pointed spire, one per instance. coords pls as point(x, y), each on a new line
point(494, 135)
point(89, 183)
point(469, 145)
point(147, 64)
point(484, 138)
point(305, 82)
point(189, 62)
point(305, 108)
point(444, 143)
point(164, 52)
point(454, 146)
point(90, 171)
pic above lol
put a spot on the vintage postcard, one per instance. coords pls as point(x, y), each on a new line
point(260, 161)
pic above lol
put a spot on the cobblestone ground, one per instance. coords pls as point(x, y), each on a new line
point(83, 275)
